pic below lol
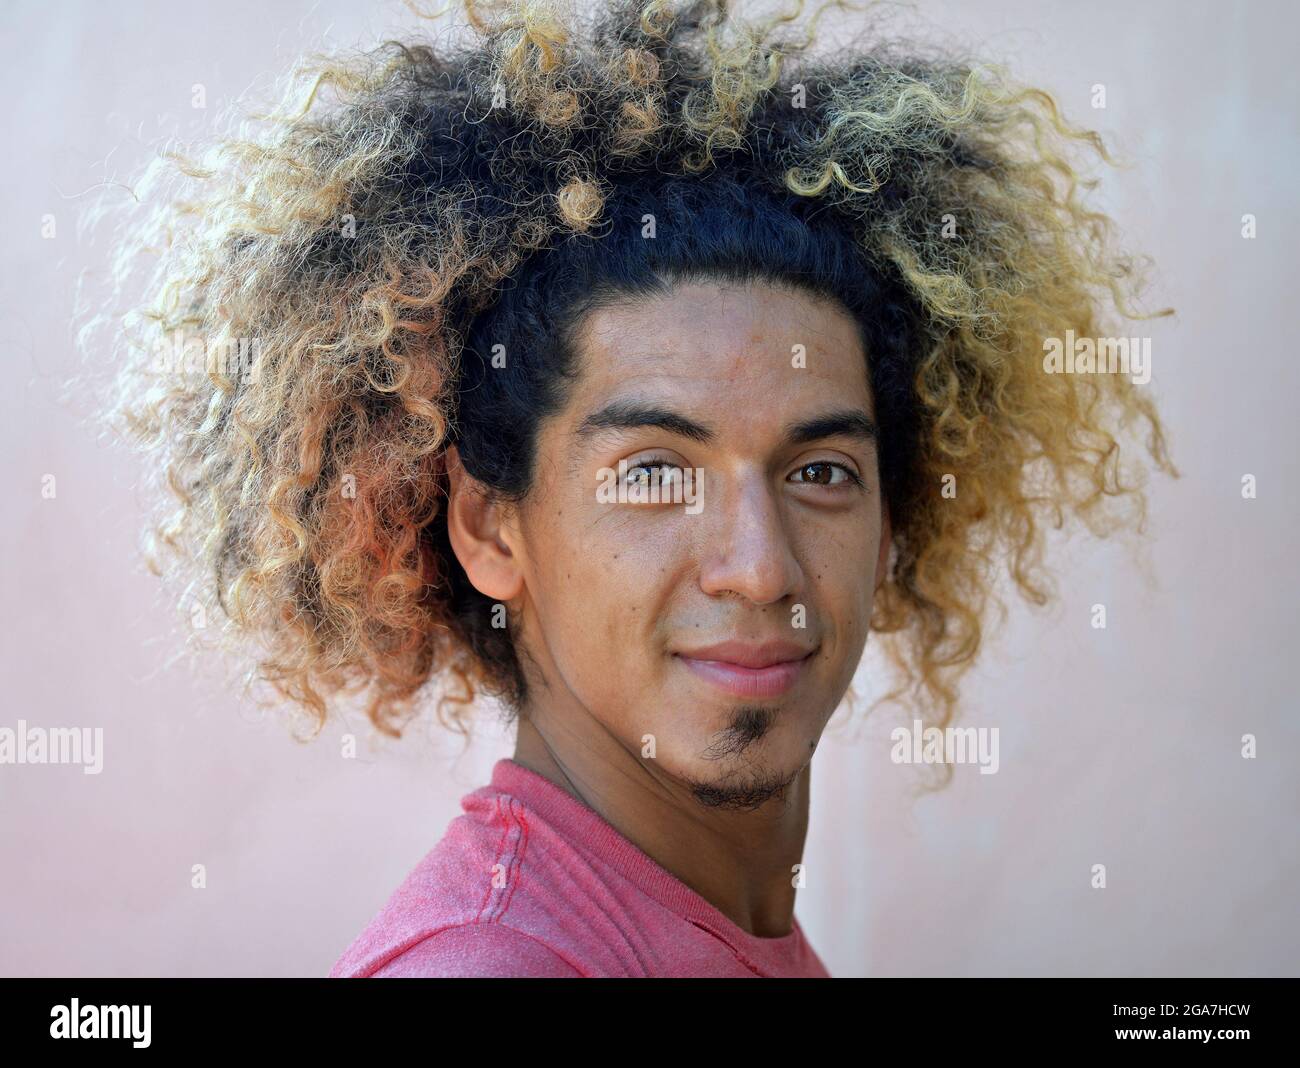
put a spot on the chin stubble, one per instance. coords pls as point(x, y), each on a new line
point(748, 787)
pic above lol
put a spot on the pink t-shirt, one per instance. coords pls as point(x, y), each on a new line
point(532, 882)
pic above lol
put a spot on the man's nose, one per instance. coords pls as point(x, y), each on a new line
point(748, 549)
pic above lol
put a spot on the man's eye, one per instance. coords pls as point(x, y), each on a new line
point(824, 473)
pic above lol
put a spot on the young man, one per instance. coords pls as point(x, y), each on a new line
point(681, 665)
point(633, 380)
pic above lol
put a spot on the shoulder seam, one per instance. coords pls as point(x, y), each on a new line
point(512, 847)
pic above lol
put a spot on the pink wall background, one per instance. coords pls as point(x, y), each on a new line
point(1119, 747)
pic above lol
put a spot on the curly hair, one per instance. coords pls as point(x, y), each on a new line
point(409, 209)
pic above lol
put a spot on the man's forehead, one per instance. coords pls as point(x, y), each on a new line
point(669, 332)
point(682, 359)
point(751, 370)
point(711, 381)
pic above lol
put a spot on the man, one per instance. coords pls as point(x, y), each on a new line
point(681, 666)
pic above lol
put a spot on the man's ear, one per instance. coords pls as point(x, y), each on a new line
point(882, 561)
point(475, 526)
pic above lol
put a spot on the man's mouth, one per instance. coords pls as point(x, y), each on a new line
point(748, 669)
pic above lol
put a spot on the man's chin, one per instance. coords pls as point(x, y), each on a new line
point(746, 787)
point(751, 759)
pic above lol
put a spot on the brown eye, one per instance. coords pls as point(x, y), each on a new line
point(822, 474)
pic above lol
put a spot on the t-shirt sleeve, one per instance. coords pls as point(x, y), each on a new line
point(478, 951)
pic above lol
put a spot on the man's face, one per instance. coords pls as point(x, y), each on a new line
point(725, 623)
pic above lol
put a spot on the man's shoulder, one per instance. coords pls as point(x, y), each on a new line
point(489, 895)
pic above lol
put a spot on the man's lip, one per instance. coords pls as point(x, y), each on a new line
point(748, 670)
point(748, 654)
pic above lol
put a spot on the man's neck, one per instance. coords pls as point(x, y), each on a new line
point(741, 862)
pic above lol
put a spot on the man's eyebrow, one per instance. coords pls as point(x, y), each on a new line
point(629, 415)
point(850, 423)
